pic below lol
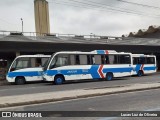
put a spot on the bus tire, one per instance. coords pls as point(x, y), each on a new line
point(140, 73)
point(58, 80)
point(20, 81)
point(109, 76)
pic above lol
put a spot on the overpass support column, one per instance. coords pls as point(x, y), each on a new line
point(18, 54)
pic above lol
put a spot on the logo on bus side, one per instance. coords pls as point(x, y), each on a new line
point(72, 71)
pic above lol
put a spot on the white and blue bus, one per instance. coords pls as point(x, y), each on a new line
point(143, 64)
point(27, 68)
point(105, 64)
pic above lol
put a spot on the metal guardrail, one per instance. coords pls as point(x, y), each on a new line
point(72, 38)
point(36, 34)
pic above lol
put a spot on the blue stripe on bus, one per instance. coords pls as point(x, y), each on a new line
point(26, 74)
point(115, 70)
point(93, 71)
point(149, 68)
point(100, 52)
point(67, 72)
point(138, 67)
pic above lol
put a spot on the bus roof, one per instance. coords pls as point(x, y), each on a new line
point(38, 55)
point(93, 52)
point(142, 55)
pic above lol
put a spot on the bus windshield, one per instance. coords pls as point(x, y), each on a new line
point(59, 60)
point(47, 62)
point(20, 63)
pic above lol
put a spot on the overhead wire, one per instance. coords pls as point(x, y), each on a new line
point(101, 7)
point(4, 21)
point(143, 5)
point(7, 24)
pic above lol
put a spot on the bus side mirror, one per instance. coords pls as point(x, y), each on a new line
point(12, 69)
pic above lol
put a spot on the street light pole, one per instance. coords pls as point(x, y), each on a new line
point(22, 24)
point(91, 35)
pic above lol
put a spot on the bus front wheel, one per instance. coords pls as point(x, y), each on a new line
point(109, 76)
point(20, 81)
point(58, 80)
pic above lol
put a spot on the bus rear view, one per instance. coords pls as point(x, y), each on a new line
point(26, 68)
point(143, 64)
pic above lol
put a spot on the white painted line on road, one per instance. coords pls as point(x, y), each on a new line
point(91, 109)
point(154, 109)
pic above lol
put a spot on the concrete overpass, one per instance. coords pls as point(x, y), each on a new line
point(13, 44)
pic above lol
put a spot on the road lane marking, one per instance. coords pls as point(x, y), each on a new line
point(154, 109)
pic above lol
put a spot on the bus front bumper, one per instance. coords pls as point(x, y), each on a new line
point(10, 79)
point(48, 78)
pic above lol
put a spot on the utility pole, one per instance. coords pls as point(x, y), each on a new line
point(22, 24)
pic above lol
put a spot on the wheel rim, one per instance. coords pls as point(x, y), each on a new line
point(20, 81)
point(109, 77)
point(139, 73)
point(59, 81)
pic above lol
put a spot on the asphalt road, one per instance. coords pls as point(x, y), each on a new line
point(132, 101)
point(30, 88)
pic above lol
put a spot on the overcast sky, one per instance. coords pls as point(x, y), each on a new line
point(97, 19)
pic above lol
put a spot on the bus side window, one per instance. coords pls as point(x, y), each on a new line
point(92, 59)
point(111, 59)
point(134, 61)
point(77, 60)
point(72, 59)
point(141, 60)
point(44, 61)
point(33, 62)
point(38, 62)
point(107, 59)
point(89, 60)
point(103, 59)
point(116, 59)
point(150, 60)
point(124, 59)
point(83, 59)
point(97, 59)
point(153, 60)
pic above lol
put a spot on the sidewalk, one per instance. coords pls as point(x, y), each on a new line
point(9, 101)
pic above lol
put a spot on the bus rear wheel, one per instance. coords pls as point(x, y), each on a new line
point(140, 73)
point(58, 80)
point(109, 76)
point(20, 81)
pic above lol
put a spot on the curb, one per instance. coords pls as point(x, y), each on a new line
point(72, 97)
